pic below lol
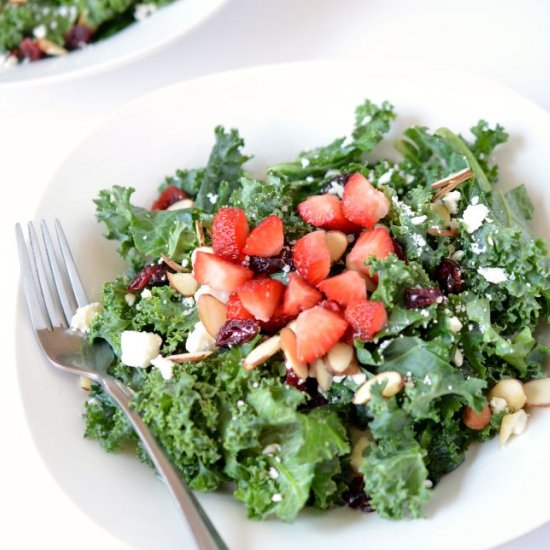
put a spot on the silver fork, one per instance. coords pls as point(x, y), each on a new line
point(54, 291)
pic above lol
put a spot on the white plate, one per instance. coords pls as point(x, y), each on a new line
point(495, 496)
point(133, 42)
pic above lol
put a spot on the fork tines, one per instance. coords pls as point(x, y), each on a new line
point(50, 277)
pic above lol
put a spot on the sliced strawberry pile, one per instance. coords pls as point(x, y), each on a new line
point(362, 203)
point(345, 288)
point(299, 295)
point(168, 197)
point(326, 211)
point(267, 239)
point(229, 233)
point(322, 305)
point(261, 297)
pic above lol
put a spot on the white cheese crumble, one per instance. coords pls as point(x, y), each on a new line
point(146, 294)
point(474, 216)
point(84, 316)
point(271, 449)
point(458, 255)
point(417, 220)
point(386, 177)
point(498, 405)
point(336, 189)
point(273, 473)
point(164, 365)
point(212, 197)
point(199, 340)
point(221, 295)
point(130, 298)
point(493, 274)
point(476, 248)
point(277, 497)
point(359, 378)
point(458, 359)
point(139, 348)
point(304, 162)
point(450, 201)
point(143, 11)
point(40, 31)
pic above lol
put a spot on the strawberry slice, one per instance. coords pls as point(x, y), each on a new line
point(229, 233)
point(326, 211)
point(376, 242)
point(220, 274)
point(267, 239)
point(261, 297)
point(312, 257)
point(345, 288)
point(299, 295)
point(333, 306)
point(362, 203)
point(168, 197)
point(236, 310)
point(366, 318)
point(317, 331)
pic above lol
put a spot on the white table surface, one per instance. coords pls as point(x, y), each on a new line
point(505, 40)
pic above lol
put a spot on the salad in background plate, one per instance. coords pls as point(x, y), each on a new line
point(337, 333)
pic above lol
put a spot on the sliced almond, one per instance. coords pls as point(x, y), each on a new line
point(512, 391)
point(512, 424)
point(50, 48)
point(436, 232)
point(260, 354)
point(189, 357)
point(356, 457)
point(288, 345)
point(353, 368)
point(199, 232)
point(184, 283)
point(172, 264)
point(212, 313)
point(392, 379)
point(180, 205)
point(538, 392)
point(339, 358)
point(477, 420)
point(337, 242)
point(324, 378)
point(453, 179)
point(85, 383)
point(442, 212)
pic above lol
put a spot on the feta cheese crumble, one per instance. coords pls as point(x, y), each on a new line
point(84, 316)
point(454, 324)
point(130, 298)
point(40, 31)
point(417, 220)
point(139, 348)
point(146, 294)
point(493, 274)
point(304, 162)
point(164, 365)
point(143, 11)
point(271, 449)
point(199, 340)
point(458, 358)
point(336, 189)
point(474, 216)
point(450, 201)
point(273, 473)
point(212, 197)
point(498, 405)
point(277, 497)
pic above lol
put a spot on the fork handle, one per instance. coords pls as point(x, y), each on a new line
point(205, 533)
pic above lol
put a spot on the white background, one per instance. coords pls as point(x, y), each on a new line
point(505, 40)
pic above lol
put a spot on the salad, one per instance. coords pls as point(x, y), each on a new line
point(337, 333)
point(33, 29)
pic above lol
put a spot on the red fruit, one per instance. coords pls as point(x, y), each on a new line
point(312, 257)
point(236, 310)
point(212, 270)
point(168, 197)
point(299, 295)
point(267, 239)
point(333, 306)
point(78, 36)
point(229, 233)
point(30, 49)
point(261, 297)
point(376, 242)
point(362, 203)
point(367, 318)
point(345, 288)
point(326, 211)
point(278, 320)
point(317, 331)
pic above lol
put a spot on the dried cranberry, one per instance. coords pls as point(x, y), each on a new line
point(292, 379)
point(422, 297)
point(150, 275)
point(278, 320)
point(449, 277)
point(30, 49)
point(355, 496)
point(315, 398)
point(237, 331)
point(399, 250)
point(267, 266)
point(168, 197)
point(78, 36)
